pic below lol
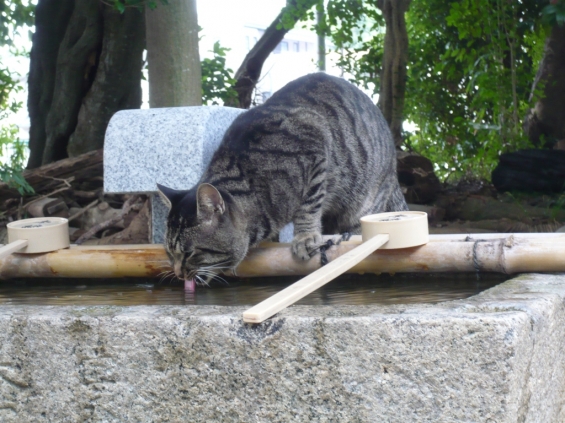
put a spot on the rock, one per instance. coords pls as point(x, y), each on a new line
point(416, 175)
point(531, 170)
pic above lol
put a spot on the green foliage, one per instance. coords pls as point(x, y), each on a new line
point(356, 28)
point(217, 80)
point(554, 13)
point(121, 5)
point(12, 150)
point(469, 80)
point(469, 77)
point(352, 23)
point(297, 10)
point(11, 172)
point(8, 84)
point(557, 207)
point(13, 14)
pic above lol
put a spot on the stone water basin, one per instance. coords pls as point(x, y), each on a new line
point(496, 356)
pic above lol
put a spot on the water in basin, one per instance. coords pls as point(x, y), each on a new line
point(345, 290)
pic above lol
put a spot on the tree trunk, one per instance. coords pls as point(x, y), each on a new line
point(175, 78)
point(50, 176)
point(249, 72)
point(52, 17)
point(76, 63)
point(320, 19)
point(116, 85)
point(74, 41)
point(393, 78)
point(545, 124)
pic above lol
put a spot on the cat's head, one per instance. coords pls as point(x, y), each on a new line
point(205, 232)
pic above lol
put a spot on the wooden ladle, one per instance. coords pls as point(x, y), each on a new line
point(36, 235)
point(384, 230)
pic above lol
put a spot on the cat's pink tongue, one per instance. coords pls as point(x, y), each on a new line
point(189, 285)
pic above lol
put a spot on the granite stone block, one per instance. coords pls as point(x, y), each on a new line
point(171, 146)
point(159, 213)
point(495, 357)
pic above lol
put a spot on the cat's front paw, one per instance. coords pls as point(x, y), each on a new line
point(306, 245)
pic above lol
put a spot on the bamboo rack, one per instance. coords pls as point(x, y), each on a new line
point(503, 253)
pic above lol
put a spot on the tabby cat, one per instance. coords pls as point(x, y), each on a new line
point(318, 153)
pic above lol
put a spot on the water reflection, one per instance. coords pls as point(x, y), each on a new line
point(346, 290)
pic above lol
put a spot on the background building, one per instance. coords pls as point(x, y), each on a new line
point(238, 25)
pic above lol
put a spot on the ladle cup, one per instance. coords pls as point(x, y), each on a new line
point(36, 235)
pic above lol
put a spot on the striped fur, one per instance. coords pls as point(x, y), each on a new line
point(318, 153)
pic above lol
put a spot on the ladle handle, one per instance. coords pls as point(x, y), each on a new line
point(313, 281)
point(12, 247)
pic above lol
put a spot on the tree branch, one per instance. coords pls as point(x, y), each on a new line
point(249, 72)
point(103, 225)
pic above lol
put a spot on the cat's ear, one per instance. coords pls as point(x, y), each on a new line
point(209, 201)
point(169, 195)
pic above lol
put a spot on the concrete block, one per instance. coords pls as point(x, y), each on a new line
point(495, 357)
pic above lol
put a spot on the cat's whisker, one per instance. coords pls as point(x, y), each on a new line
point(162, 275)
point(206, 272)
point(216, 267)
point(220, 265)
point(202, 280)
point(213, 276)
point(215, 271)
point(220, 279)
point(165, 275)
point(173, 276)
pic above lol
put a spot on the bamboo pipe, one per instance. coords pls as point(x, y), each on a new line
point(510, 254)
point(505, 253)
